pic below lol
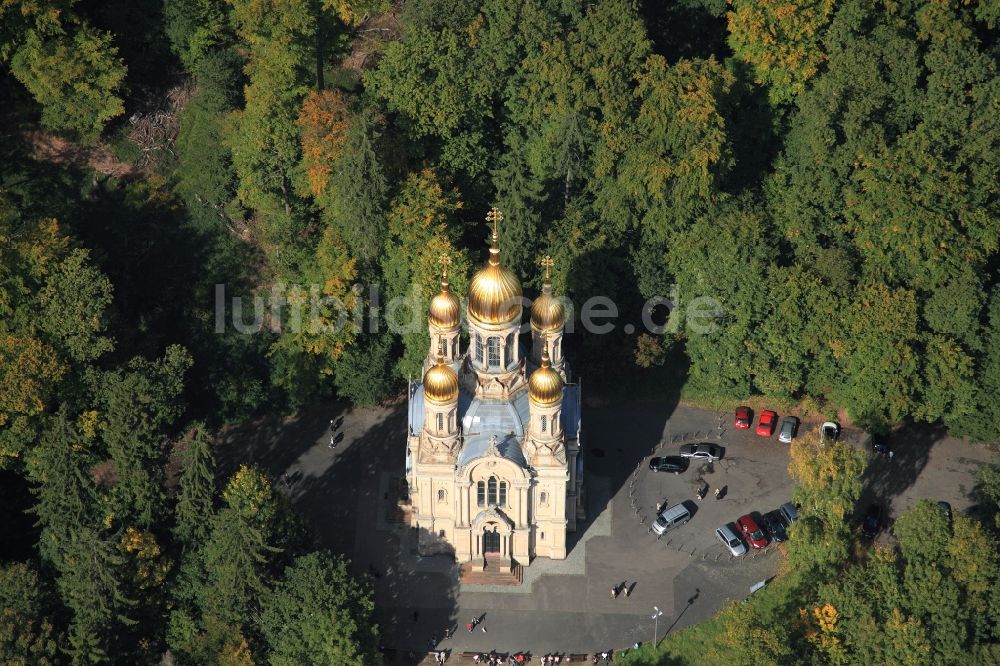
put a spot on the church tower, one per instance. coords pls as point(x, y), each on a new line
point(444, 320)
point(548, 320)
point(546, 452)
point(495, 310)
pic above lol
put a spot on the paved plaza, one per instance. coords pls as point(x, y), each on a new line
point(566, 606)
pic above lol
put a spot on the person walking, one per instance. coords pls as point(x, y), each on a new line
point(718, 493)
point(627, 589)
point(470, 626)
point(614, 591)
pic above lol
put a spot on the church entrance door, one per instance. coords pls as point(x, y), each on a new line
point(491, 543)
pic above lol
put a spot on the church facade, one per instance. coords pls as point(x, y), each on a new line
point(493, 462)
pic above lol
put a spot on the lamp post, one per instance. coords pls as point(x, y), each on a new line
point(656, 621)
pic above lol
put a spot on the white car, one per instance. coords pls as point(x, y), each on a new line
point(829, 431)
point(731, 541)
point(704, 451)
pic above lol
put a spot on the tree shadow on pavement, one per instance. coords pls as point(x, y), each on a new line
point(886, 478)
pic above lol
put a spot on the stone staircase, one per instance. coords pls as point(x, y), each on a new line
point(496, 572)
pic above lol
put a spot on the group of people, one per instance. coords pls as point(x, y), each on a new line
point(621, 588)
point(492, 659)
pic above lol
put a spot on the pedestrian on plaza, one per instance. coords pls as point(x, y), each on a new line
point(475, 657)
point(627, 589)
point(470, 626)
point(718, 493)
point(614, 591)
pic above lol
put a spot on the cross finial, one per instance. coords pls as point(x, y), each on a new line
point(546, 263)
point(494, 217)
point(445, 262)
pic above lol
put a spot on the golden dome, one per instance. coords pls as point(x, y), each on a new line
point(545, 386)
point(495, 292)
point(547, 312)
point(440, 383)
point(445, 310)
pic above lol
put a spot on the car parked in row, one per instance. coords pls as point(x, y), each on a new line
point(675, 464)
point(765, 426)
point(789, 427)
point(788, 513)
point(731, 541)
point(743, 418)
point(775, 525)
point(829, 431)
point(751, 531)
point(703, 451)
point(670, 518)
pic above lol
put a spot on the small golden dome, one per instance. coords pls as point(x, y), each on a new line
point(445, 310)
point(545, 386)
point(440, 383)
point(547, 312)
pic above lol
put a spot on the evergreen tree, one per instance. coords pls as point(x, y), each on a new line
point(195, 498)
point(318, 613)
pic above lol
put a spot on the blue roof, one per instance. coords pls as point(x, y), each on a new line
point(570, 415)
point(506, 419)
point(476, 446)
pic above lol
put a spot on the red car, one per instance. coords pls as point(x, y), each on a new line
point(744, 416)
point(765, 427)
point(751, 532)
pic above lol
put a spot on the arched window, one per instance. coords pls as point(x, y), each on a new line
point(543, 497)
point(454, 347)
point(481, 493)
point(442, 495)
point(545, 423)
point(503, 494)
point(440, 421)
point(508, 353)
point(555, 349)
point(479, 349)
point(493, 352)
point(491, 490)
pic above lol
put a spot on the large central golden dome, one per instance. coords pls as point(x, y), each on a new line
point(545, 386)
point(495, 292)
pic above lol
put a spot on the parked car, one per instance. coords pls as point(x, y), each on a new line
point(729, 539)
point(789, 426)
point(675, 464)
point(880, 446)
point(672, 517)
point(704, 451)
point(788, 513)
point(775, 525)
point(829, 431)
point(945, 509)
point(751, 531)
point(873, 521)
point(744, 416)
point(765, 426)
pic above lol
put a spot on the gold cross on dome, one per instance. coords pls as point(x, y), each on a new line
point(547, 263)
point(494, 217)
point(445, 262)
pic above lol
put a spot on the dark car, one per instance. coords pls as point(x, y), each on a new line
point(775, 525)
point(751, 532)
point(744, 416)
point(880, 446)
point(675, 464)
point(945, 509)
point(873, 521)
point(789, 426)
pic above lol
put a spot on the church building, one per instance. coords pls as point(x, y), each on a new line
point(493, 460)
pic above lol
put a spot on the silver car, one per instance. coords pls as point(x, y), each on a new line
point(704, 451)
point(789, 426)
point(731, 541)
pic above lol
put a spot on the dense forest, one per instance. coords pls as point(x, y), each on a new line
point(827, 170)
